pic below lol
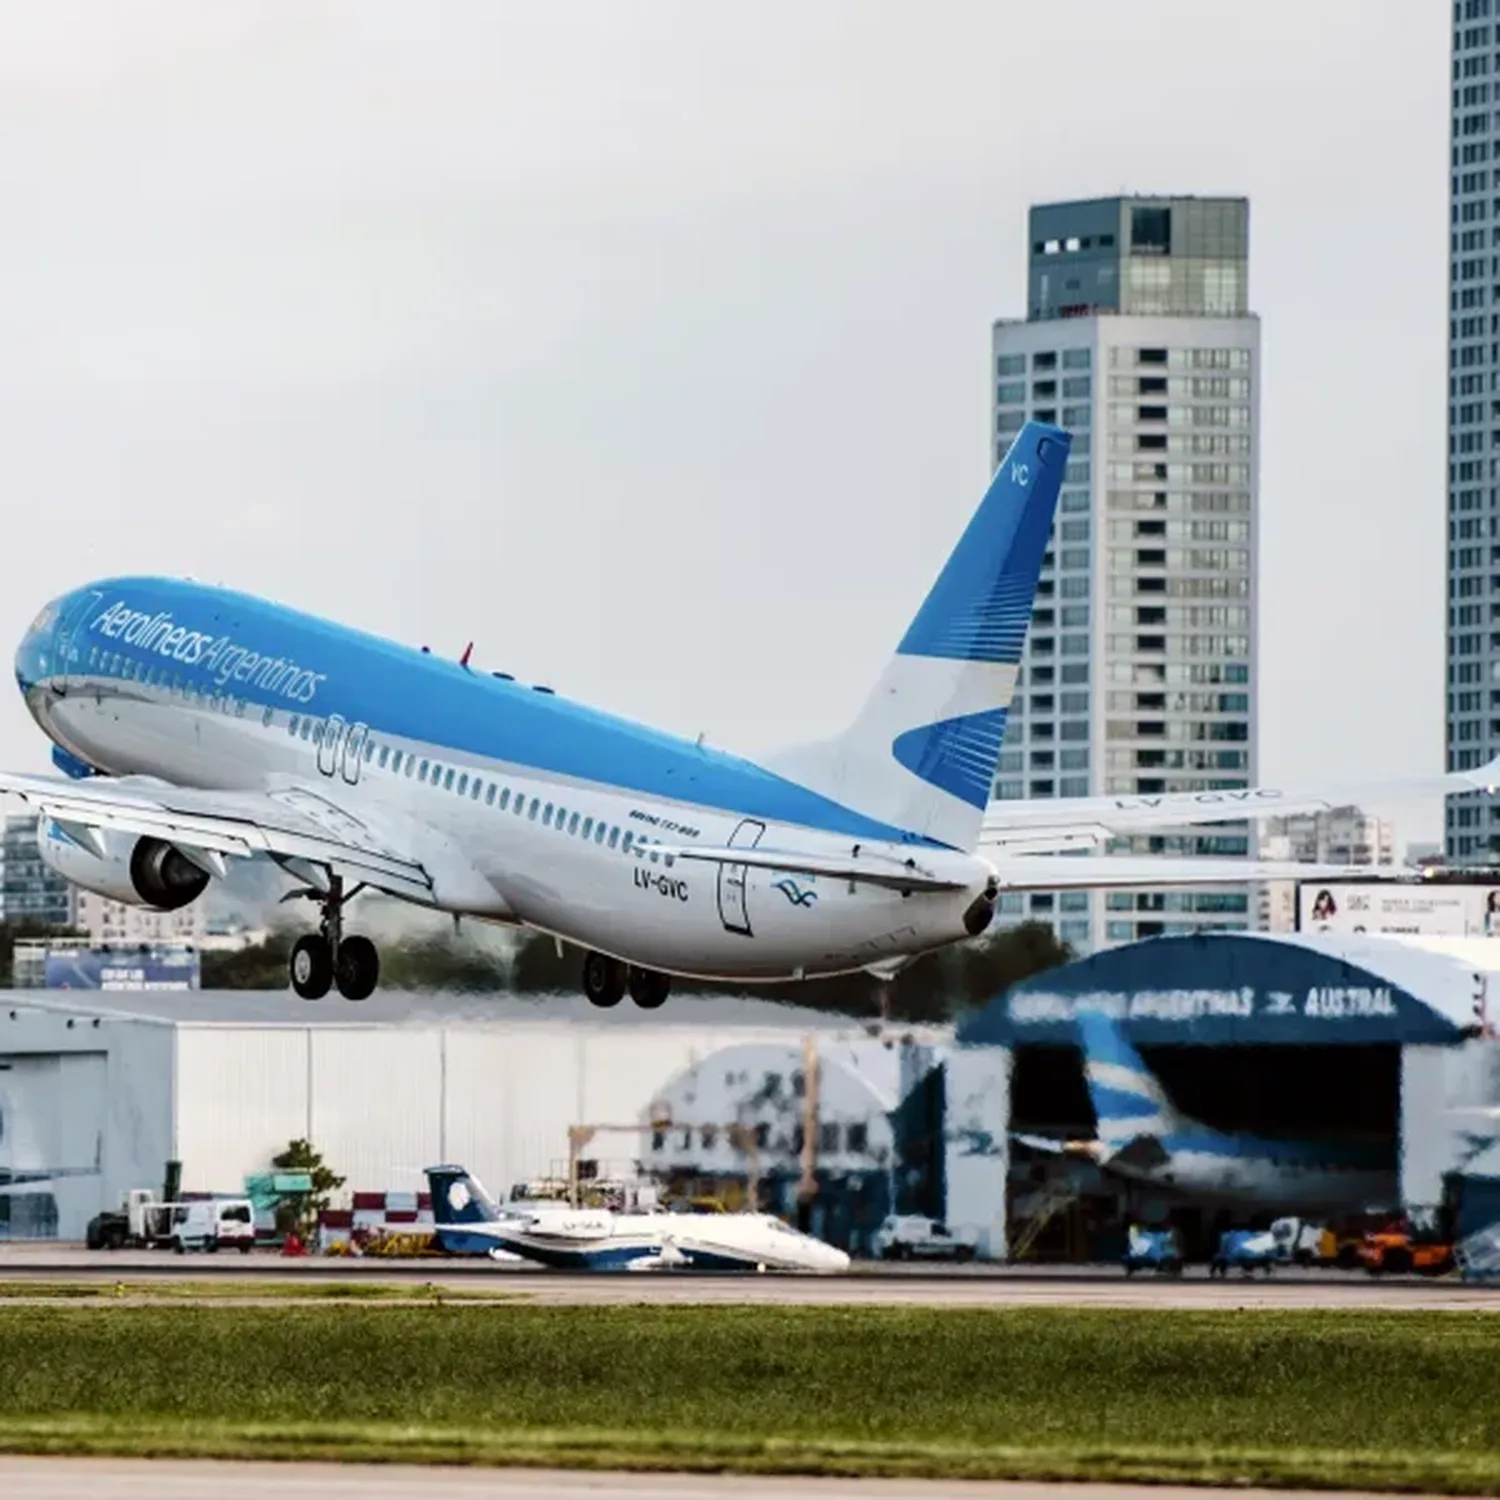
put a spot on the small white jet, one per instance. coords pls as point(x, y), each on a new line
point(466, 1222)
point(195, 725)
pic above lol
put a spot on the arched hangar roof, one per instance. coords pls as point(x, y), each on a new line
point(1223, 988)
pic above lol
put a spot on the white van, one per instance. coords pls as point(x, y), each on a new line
point(213, 1223)
point(912, 1237)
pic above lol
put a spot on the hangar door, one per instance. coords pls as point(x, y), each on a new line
point(51, 1121)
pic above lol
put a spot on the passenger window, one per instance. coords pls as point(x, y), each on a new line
point(626, 842)
point(479, 787)
point(463, 783)
point(267, 716)
point(534, 805)
point(448, 780)
point(291, 725)
point(385, 754)
point(614, 837)
point(411, 761)
point(306, 728)
point(504, 798)
point(588, 828)
point(573, 824)
point(653, 856)
point(422, 771)
point(547, 815)
point(489, 796)
point(599, 832)
point(369, 751)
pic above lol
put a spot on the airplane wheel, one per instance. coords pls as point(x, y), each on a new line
point(648, 988)
point(312, 966)
point(603, 980)
point(356, 970)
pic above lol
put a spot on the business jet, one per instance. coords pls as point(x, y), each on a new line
point(194, 725)
point(466, 1222)
point(1142, 1136)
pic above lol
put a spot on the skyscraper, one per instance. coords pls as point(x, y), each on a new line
point(1474, 423)
point(1139, 673)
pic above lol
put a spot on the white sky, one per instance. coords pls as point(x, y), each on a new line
point(648, 343)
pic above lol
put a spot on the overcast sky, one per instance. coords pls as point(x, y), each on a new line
point(648, 343)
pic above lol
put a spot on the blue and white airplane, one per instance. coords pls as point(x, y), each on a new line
point(1142, 1136)
point(466, 1222)
point(195, 725)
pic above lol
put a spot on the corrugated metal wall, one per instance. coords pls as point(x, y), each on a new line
point(381, 1103)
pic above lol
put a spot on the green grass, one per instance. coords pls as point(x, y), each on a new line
point(1374, 1400)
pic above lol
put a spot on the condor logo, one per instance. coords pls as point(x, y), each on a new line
point(663, 885)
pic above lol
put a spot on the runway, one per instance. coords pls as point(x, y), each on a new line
point(872, 1285)
point(161, 1479)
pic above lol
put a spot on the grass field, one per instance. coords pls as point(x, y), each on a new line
point(1395, 1401)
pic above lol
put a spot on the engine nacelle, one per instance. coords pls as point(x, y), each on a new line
point(138, 871)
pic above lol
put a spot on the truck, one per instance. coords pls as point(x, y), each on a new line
point(145, 1222)
point(1158, 1250)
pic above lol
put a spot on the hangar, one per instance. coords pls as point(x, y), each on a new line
point(99, 1092)
point(1381, 1043)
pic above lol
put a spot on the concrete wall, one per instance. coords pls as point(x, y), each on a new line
point(382, 1102)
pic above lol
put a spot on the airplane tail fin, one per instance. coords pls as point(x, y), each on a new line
point(922, 754)
point(457, 1198)
point(1129, 1101)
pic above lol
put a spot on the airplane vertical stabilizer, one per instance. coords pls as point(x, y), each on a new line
point(922, 754)
point(1128, 1099)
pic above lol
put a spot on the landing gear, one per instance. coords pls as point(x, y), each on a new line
point(327, 958)
point(356, 969)
point(648, 988)
point(603, 980)
point(312, 966)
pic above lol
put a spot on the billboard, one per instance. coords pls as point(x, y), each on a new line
point(1431, 910)
point(100, 969)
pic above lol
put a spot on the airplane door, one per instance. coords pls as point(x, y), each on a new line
point(354, 751)
point(328, 746)
point(733, 911)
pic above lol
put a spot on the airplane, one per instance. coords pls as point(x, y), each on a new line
point(1142, 1136)
point(193, 725)
point(466, 1222)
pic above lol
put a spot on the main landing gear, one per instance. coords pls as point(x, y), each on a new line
point(605, 981)
point(323, 959)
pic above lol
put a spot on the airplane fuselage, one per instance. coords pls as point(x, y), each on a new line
point(523, 807)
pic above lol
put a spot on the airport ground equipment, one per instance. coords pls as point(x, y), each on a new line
point(1400, 1248)
point(1245, 1250)
point(1158, 1250)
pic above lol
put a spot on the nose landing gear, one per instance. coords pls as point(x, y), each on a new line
point(327, 958)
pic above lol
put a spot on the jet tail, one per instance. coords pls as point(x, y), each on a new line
point(1131, 1107)
point(458, 1198)
point(922, 754)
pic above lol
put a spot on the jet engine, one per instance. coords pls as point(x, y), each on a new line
point(138, 871)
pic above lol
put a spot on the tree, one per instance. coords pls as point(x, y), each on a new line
point(302, 1215)
point(25, 927)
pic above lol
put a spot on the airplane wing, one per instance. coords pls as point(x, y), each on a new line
point(295, 824)
point(1055, 824)
point(1041, 872)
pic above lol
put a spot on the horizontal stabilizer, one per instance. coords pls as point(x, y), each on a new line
point(872, 869)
